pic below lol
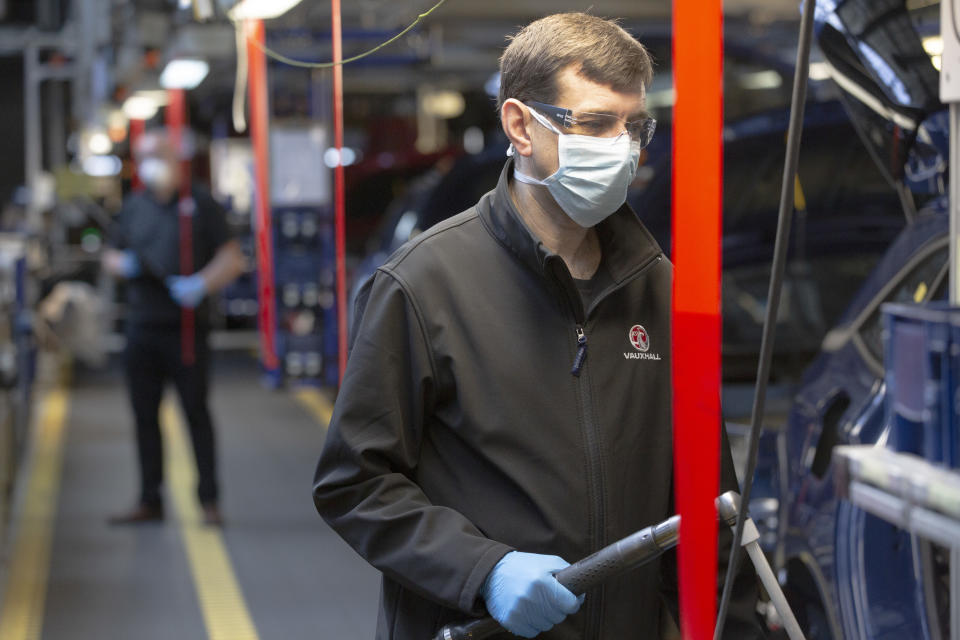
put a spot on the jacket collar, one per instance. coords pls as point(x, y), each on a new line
point(625, 241)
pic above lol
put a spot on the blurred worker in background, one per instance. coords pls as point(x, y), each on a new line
point(507, 402)
point(146, 254)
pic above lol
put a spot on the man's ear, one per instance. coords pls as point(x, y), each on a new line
point(514, 120)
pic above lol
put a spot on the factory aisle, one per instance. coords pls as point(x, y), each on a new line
point(274, 571)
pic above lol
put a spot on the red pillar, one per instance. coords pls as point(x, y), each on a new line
point(260, 136)
point(137, 127)
point(339, 190)
point(697, 216)
point(176, 120)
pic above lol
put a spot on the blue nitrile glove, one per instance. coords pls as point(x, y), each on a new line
point(187, 291)
point(127, 264)
point(524, 597)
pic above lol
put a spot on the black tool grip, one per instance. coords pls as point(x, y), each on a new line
point(612, 560)
point(619, 557)
point(472, 630)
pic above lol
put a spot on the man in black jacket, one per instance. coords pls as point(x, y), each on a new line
point(148, 237)
point(507, 402)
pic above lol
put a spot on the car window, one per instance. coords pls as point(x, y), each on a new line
point(752, 83)
point(835, 171)
point(814, 295)
point(751, 87)
point(913, 286)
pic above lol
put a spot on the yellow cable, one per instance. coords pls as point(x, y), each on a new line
point(270, 53)
point(799, 200)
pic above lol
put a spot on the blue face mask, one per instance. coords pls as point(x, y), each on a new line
point(157, 174)
point(594, 174)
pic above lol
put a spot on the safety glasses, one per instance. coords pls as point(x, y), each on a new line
point(598, 125)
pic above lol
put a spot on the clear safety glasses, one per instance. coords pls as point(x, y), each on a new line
point(598, 125)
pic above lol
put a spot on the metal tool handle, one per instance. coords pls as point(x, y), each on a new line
point(621, 556)
point(612, 560)
point(728, 506)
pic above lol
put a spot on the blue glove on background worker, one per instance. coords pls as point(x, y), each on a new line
point(524, 597)
point(122, 263)
point(130, 265)
point(187, 291)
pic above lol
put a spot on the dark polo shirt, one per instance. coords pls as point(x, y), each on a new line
point(151, 229)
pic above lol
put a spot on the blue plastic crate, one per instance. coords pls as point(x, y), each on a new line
point(922, 352)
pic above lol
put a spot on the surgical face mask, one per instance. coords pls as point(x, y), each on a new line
point(157, 174)
point(594, 174)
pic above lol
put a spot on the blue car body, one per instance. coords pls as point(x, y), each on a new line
point(849, 574)
point(853, 575)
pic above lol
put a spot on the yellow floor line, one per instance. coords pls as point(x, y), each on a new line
point(224, 609)
point(316, 402)
point(21, 617)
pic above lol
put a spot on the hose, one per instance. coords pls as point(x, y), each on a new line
point(784, 220)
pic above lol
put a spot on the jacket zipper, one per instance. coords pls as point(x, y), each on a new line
point(596, 487)
point(597, 491)
point(581, 352)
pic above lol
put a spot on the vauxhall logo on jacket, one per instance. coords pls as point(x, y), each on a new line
point(640, 340)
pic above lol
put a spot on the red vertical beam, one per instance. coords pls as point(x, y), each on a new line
point(260, 135)
point(339, 195)
point(137, 127)
point(176, 120)
point(697, 211)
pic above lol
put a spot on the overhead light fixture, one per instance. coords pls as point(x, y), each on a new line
point(99, 143)
point(443, 104)
point(261, 9)
point(102, 166)
point(759, 80)
point(144, 104)
point(184, 73)
point(933, 45)
point(346, 156)
point(140, 107)
point(117, 126)
point(159, 96)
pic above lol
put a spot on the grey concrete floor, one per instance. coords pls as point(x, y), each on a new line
point(298, 578)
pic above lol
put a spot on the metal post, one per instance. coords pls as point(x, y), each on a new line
point(777, 597)
point(56, 126)
point(260, 137)
point(339, 189)
point(954, 200)
point(86, 21)
point(137, 129)
point(32, 134)
point(948, 93)
point(695, 348)
point(954, 591)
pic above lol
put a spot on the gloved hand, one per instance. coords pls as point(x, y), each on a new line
point(187, 291)
point(122, 263)
point(524, 597)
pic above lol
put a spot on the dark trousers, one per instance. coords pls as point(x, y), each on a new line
point(153, 357)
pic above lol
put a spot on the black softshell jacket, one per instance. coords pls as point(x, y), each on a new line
point(460, 432)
